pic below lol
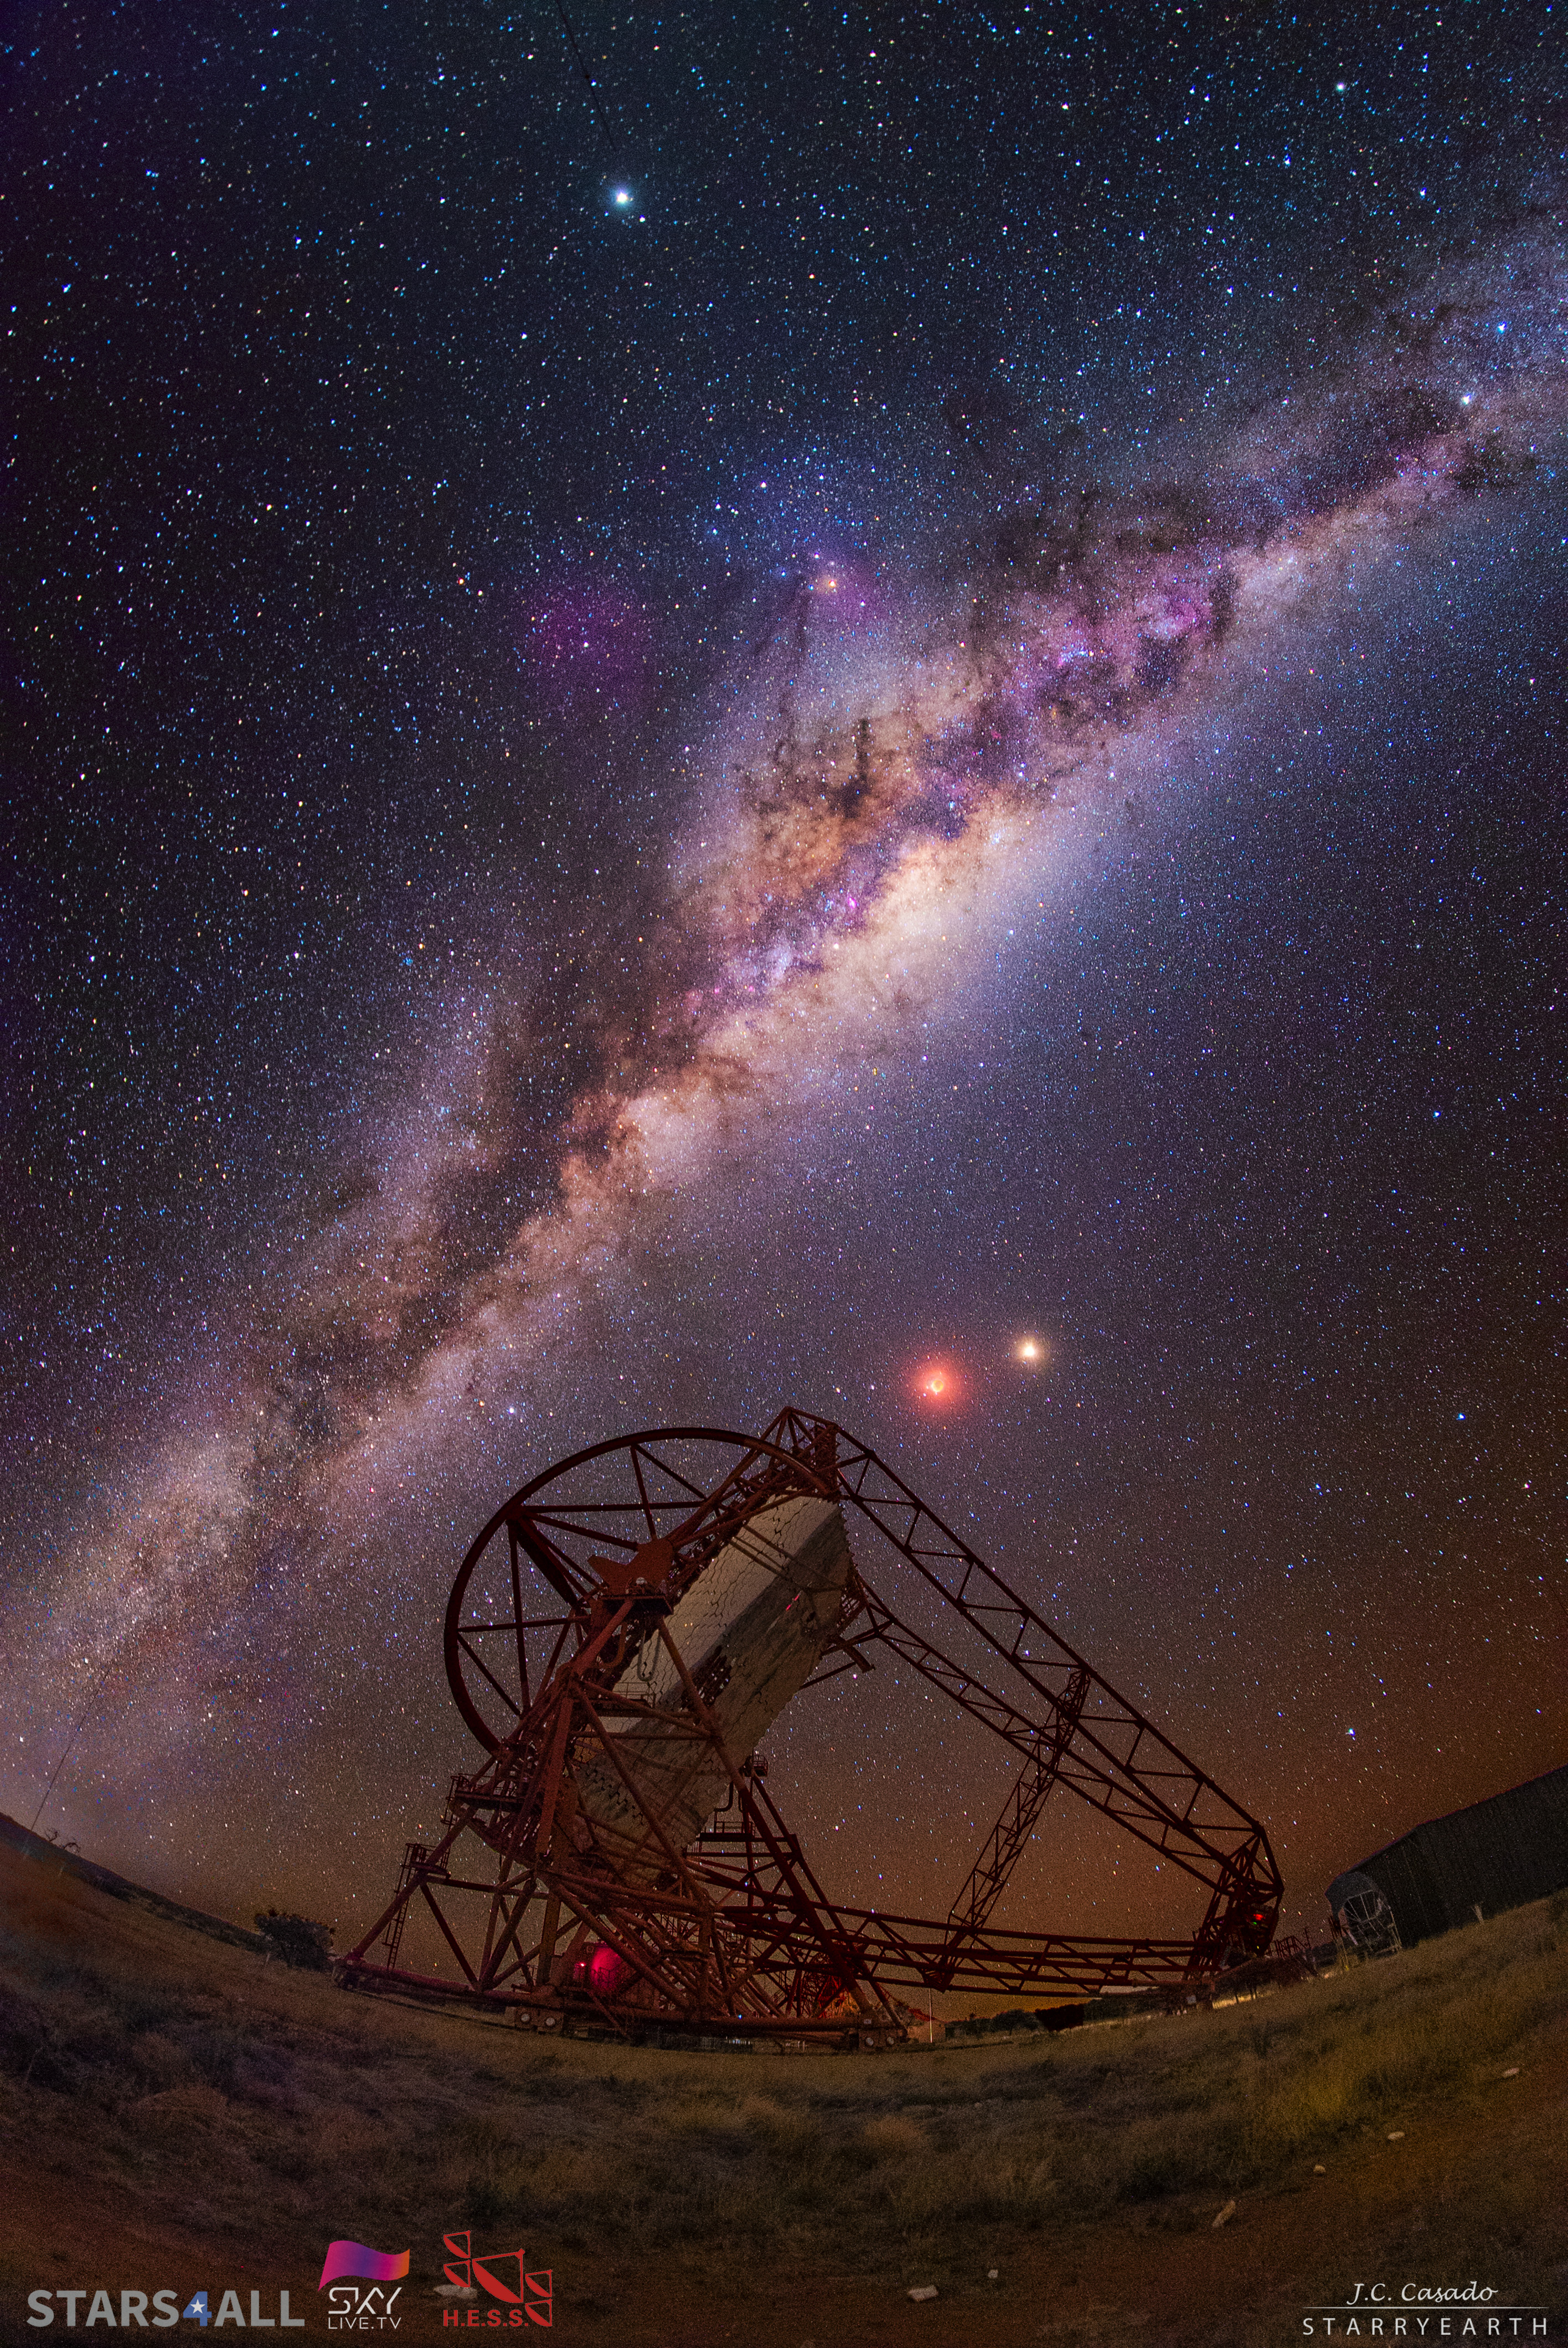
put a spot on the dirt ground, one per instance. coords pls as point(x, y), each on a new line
point(124, 2163)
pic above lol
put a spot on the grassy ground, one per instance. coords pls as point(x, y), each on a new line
point(174, 2113)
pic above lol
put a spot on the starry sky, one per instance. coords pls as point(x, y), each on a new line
point(741, 718)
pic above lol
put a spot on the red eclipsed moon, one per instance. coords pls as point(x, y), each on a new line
point(936, 1382)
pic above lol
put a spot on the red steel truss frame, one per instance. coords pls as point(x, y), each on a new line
point(734, 1935)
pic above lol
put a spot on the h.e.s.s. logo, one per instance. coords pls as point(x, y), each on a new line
point(524, 2296)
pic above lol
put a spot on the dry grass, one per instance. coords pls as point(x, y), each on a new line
point(203, 2089)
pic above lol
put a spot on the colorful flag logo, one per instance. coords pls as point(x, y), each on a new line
point(353, 2259)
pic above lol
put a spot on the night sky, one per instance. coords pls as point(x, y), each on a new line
point(890, 687)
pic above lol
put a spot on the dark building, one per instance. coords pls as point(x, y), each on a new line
point(1497, 1854)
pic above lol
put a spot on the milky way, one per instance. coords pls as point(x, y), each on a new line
point(914, 745)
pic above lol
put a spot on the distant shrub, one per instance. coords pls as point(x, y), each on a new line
point(161, 2061)
point(298, 1941)
point(24, 2033)
point(142, 2005)
point(215, 2051)
point(894, 2137)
